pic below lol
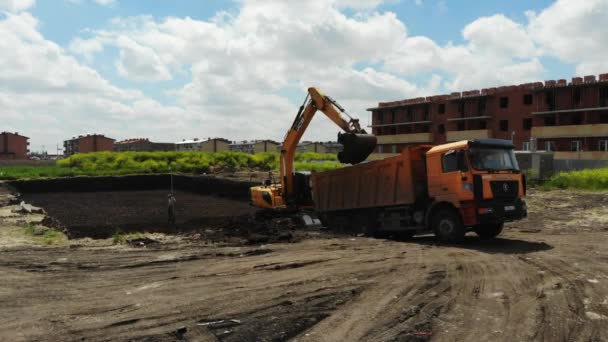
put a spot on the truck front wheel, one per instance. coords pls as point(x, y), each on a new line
point(448, 226)
point(488, 231)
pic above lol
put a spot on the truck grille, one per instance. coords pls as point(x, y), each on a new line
point(504, 189)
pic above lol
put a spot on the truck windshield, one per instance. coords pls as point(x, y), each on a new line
point(494, 159)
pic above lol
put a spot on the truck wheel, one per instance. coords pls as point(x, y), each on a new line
point(489, 231)
point(448, 227)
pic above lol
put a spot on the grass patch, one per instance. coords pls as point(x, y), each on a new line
point(45, 235)
point(591, 179)
point(120, 238)
point(123, 163)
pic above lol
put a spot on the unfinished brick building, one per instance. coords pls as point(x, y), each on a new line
point(570, 118)
point(88, 143)
point(13, 146)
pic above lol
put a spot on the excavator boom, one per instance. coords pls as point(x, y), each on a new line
point(358, 145)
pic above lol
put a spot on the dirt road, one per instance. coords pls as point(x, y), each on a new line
point(545, 279)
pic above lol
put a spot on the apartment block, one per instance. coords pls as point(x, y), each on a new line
point(88, 143)
point(13, 146)
point(208, 145)
point(570, 118)
point(254, 146)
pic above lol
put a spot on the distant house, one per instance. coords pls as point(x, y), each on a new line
point(215, 145)
point(142, 144)
point(209, 145)
point(254, 146)
point(189, 145)
point(88, 143)
point(13, 146)
point(317, 147)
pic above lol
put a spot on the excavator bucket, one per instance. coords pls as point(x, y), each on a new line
point(357, 147)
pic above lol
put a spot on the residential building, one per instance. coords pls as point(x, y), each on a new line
point(254, 146)
point(215, 145)
point(209, 145)
point(317, 147)
point(142, 144)
point(570, 118)
point(13, 146)
point(189, 145)
point(88, 143)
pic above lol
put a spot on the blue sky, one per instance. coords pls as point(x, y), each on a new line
point(169, 71)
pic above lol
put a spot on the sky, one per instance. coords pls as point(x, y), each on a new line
point(170, 70)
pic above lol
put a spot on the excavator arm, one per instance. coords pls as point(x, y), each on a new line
point(357, 143)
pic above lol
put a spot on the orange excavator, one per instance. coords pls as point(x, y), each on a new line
point(293, 191)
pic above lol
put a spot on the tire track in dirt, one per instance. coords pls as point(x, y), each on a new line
point(571, 308)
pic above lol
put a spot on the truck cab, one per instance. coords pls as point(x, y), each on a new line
point(474, 185)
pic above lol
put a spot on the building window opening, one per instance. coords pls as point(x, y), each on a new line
point(441, 108)
point(577, 119)
point(504, 102)
point(425, 116)
point(604, 97)
point(527, 124)
point(392, 116)
point(379, 117)
point(441, 129)
point(550, 121)
point(603, 117)
point(528, 99)
point(576, 146)
point(576, 96)
point(393, 130)
point(461, 109)
point(481, 106)
point(550, 100)
point(504, 125)
point(549, 146)
point(410, 117)
point(526, 146)
point(393, 148)
point(460, 126)
point(483, 125)
point(603, 145)
point(425, 128)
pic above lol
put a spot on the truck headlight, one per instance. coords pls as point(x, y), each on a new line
point(467, 186)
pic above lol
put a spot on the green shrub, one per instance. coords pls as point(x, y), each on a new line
point(591, 179)
point(120, 163)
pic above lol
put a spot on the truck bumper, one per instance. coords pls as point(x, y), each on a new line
point(501, 211)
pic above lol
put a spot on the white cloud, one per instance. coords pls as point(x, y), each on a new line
point(239, 66)
point(574, 31)
point(105, 2)
point(99, 2)
point(140, 63)
point(16, 5)
point(47, 95)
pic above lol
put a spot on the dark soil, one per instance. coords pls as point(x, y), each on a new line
point(101, 214)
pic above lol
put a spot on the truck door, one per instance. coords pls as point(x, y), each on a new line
point(453, 168)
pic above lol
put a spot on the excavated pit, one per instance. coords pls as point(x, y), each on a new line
point(97, 207)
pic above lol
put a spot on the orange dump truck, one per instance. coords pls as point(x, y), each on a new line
point(446, 189)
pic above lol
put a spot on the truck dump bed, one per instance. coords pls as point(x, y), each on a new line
point(398, 180)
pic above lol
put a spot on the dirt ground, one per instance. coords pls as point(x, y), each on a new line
point(544, 279)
